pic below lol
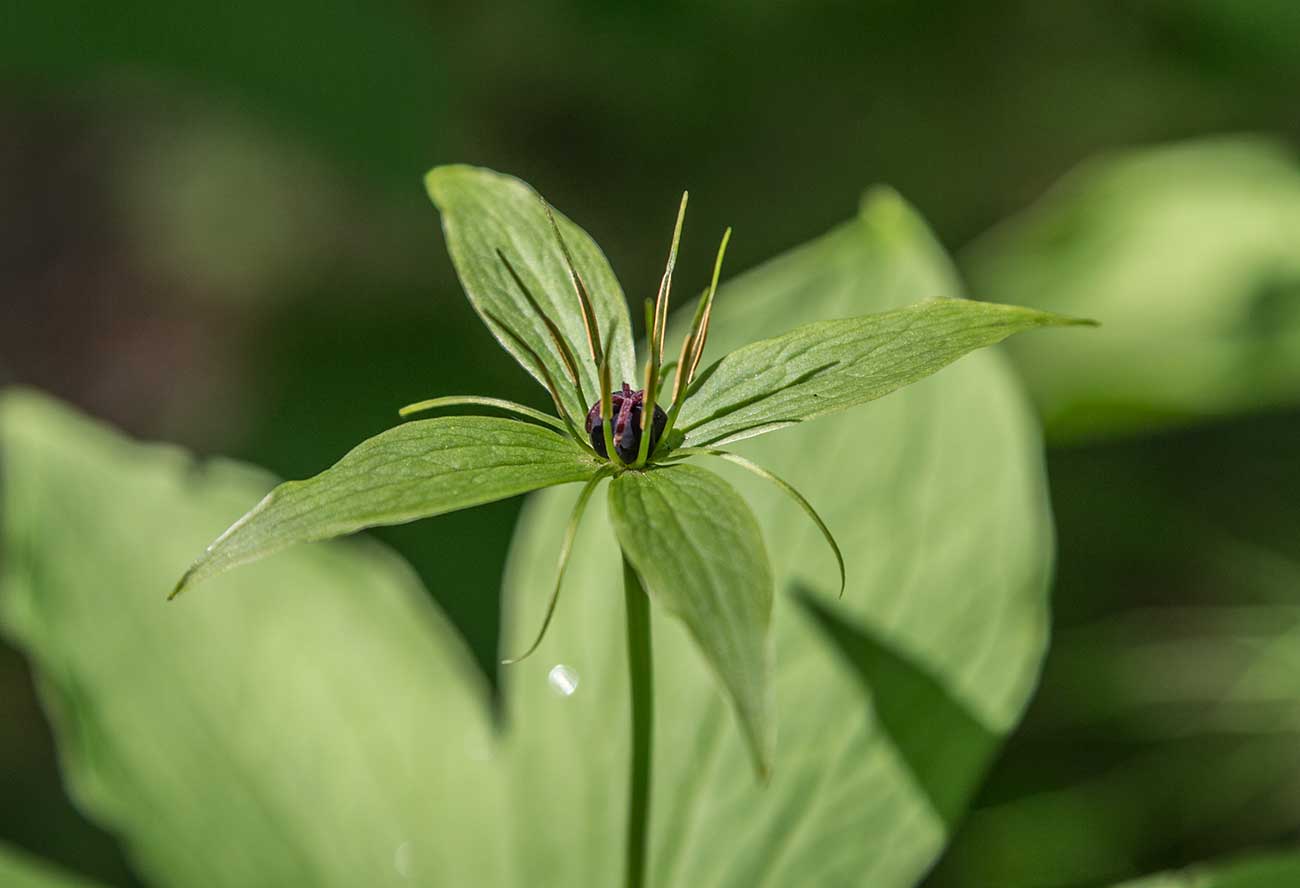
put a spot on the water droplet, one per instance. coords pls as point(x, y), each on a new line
point(564, 681)
point(402, 860)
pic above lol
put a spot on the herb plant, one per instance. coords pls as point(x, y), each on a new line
point(688, 541)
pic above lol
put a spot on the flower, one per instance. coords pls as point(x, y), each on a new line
point(546, 292)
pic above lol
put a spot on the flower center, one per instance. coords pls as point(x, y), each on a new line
point(626, 432)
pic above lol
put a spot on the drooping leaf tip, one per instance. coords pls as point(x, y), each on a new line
point(182, 584)
point(1059, 320)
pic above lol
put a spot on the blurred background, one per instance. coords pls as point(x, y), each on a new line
point(213, 231)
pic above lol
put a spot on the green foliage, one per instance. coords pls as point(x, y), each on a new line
point(699, 553)
point(415, 470)
point(368, 725)
point(1204, 690)
point(437, 466)
point(1190, 256)
point(827, 366)
point(938, 498)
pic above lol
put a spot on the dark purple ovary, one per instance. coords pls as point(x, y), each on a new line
point(627, 425)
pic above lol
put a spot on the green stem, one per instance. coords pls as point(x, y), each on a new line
point(641, 672)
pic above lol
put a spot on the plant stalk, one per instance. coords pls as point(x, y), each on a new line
point(640, 663)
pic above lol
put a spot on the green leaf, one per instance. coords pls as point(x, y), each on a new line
point(1261, 871)
point(828, 366)
point(415, 470)
point(312, 722)
point(699, 552)
point(482, 212)
point(1189, 255)
point(938, 498)
point(20, 870)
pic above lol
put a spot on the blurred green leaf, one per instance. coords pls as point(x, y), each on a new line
point(937, 496)
point(20, 870)
point(1214, 789)
point(312, 722)
point(699, 552)
point(1167, 722)
point(1274, 870)
point(483, 212)
point(828, 366)
point(1189, 255)
point(415, 470)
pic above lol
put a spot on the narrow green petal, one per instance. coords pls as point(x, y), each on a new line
point(658, 329)
point(570, 531)
point(785, 487)
point(480, 401)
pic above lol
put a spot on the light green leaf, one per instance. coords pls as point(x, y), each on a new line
point(312, 722)
point(938, 499)
point(415, 470)
point(21, 870)
point(1189, 255)
point(828, 366)
point(699, 552)
point(484, 211)
point(1262, 871)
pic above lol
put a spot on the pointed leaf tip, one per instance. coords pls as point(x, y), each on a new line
point(828, 366)
point(415, 470)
